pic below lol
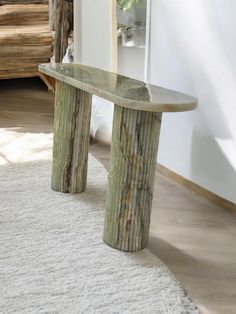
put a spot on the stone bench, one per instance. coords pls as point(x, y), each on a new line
point(135, 137)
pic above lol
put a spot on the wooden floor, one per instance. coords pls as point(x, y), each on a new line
point(193, 237)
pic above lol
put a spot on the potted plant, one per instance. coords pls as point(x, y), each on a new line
point(131, 17)
point(128, 4)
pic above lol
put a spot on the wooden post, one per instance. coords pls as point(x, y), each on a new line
point(131, 178)
point(71, 139)
point(63, 20)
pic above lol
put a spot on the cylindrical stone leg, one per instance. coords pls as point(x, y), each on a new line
point(135, 140)
point(71, 139)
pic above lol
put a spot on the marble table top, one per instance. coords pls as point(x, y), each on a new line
point(119, 89)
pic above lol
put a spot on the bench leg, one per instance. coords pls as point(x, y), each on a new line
point(131, 178)
point(71, 139)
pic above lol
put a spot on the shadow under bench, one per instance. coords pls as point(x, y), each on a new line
point(135, 137)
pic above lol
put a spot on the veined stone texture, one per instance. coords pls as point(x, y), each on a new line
point(119, 89)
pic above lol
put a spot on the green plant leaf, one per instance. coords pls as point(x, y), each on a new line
point(128, 4)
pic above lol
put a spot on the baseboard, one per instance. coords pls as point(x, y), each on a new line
point(185, 182)
point(94, 140)
point(196, 188)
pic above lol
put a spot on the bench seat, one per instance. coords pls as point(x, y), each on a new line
point(120, 89)
point(135, 137)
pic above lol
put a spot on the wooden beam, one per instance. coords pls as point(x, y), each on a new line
point(48, 81)
point(23, 52)
point(36, 35)
point(25, 38)
point(21, 14)
point(14, 64)
point(19, 73)
point(2, 2)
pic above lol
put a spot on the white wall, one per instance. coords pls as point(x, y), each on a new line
point(192, 49)
point(131, 62)
point(93, 32)
point(94, 46)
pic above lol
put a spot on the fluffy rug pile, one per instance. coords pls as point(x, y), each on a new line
point(52, 257)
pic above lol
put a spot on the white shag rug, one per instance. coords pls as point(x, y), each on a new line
point(52, 257)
